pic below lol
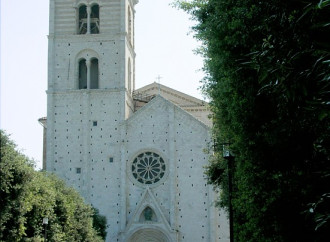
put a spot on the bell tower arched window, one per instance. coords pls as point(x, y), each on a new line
point(95, 19)
point(94, 73)
point(82, 28)
point(88, 76)
point(82, 74)
point(89, 19)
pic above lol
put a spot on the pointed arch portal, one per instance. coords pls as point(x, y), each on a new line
point(148, 235)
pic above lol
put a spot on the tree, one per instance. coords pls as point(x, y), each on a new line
point(15, 172)
point(99, 223)
point(28, 196)
point(268, 72)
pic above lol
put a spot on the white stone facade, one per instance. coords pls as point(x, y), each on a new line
point(140, 165)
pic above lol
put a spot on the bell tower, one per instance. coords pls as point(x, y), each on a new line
point(91, 45)
point(91, 78)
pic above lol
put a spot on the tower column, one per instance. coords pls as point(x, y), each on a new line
point(89, 19)
point(88, 65)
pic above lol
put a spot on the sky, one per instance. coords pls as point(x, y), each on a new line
point(164, 47)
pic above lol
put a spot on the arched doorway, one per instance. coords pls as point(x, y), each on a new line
point(148, 235)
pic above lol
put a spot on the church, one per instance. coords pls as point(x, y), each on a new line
point(135, 154)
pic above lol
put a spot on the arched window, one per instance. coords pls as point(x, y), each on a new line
point(89, 19)
point(95, 19)
point(94, 72)
point(129, 76)
point(88, 74)
point(82, 13)
point(82, 74)
point(129, 25)
point(148, 215)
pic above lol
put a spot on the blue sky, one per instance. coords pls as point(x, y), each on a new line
point(163, 47)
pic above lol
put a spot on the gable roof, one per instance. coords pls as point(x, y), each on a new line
point(157, 102)
point(196, 107)
point(179, 98)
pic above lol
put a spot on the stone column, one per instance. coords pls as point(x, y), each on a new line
point(89, 19)
point(88, 65)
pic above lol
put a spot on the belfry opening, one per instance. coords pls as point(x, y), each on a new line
point(89, 19)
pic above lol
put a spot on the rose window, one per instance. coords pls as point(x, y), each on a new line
point(148, 168)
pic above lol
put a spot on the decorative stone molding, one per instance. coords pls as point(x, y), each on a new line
point(158, 229)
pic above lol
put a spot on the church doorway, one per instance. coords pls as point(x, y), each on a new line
point(148, 235)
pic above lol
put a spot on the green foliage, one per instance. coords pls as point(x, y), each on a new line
point(28, 196)
point(12, 190)
point(100, 223)
point(268, 73)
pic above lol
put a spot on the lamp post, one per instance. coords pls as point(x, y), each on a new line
point(230, 160)
point(45, 222)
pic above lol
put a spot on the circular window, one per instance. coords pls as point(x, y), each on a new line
point(148, 168)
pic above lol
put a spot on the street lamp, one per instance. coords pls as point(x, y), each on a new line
point(45, 222)
point(230, 160)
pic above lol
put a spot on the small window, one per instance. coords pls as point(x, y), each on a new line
point(111, 159)
point(94, 123)
point(78, 170)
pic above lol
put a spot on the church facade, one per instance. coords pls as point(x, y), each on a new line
point(136, 155)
